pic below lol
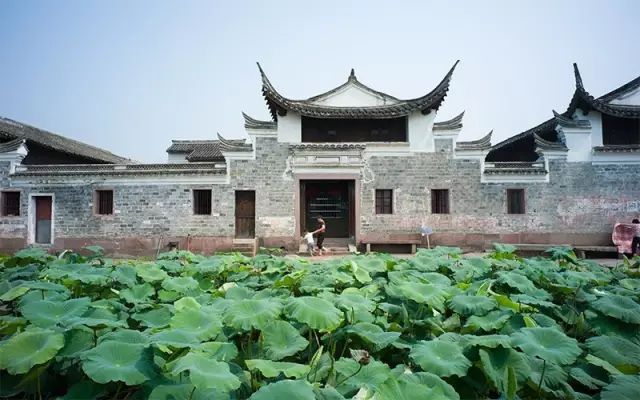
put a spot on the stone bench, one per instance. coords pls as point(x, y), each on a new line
point(414, 242)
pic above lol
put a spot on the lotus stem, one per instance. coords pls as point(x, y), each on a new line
point(544, 366)
point(350, 376)
point(191, 394)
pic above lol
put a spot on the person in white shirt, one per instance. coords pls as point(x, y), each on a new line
point(308, 236)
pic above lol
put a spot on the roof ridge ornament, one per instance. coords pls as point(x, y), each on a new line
point(352, 76)
point(576, 73)
point(453, 123)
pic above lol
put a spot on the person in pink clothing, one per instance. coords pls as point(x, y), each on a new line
point(635, 244)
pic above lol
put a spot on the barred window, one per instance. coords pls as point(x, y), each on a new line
point(515, 201)
point(104, 202)
point(202, 202)
point(10, 204)
point(440, 201)
point(384, 202)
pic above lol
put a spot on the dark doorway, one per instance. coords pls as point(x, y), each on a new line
point(43, 219)
point(331, 199)
point(245, 213)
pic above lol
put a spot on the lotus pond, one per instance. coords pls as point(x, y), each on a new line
point(434, 326)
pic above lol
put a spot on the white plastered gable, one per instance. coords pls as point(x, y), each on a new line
point(353, 95)
point(631, 98)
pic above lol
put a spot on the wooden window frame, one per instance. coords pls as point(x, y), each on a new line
point(3, 213)
point(196, 205)
point(523, 201)
point(96, 202)
point(437, 208)
point(381, 194)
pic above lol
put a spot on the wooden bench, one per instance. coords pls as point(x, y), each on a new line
point(414, 242)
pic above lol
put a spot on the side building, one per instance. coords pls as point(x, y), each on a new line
point(376, 168)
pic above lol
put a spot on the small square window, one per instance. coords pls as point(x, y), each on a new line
point(202, 202)
point(10, 204)
point(384, 202)
point(104, 202)
point(515, 201)
point(440, 201)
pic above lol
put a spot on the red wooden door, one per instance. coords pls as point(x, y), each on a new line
point(245, 213)
point(43, 219)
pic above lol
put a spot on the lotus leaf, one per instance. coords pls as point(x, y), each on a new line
point(315, 312)
point(220, 351)
point(184, 284)
point(250, 313)
point(76, 341)
point(271, 369)
point(179, 338)
point(138, 293)
point(547, 343)
point(84, 390)
point(422, 293)
point(373, 334)
point(439, 388)
point(492, 321)
point(472, 305)
point(14, 293)
point(495, 363)
point(554, 375)
point(286, 389)
point(126, 336)
point(47, 313)
point(618, 351)
point(151, 273)
point(440, 358)
point(620, 307)
point(394, 389)
point(590, 376)
point(203, 322)
point(370, 376)
point(112, 361)
point(623, 387)
point(206, 373)
point(32, 347)
point(282, 340)
point(157, 318)
point(183, 391)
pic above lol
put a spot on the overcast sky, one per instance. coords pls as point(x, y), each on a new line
point(129, 76)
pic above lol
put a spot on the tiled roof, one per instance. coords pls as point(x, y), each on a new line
point(11, 145)
point(483, 143)
point(542, 144)
point(453, 123)
point(328, 146)
point(617, 148)
point(204, 150)
point(121, 169)
point(10, 129)
point(251, 123)
point(279, 105)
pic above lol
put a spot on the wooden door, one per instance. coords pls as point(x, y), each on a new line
point(245, 213)
point(43, 219)
point(303, 207)
point(352, 209)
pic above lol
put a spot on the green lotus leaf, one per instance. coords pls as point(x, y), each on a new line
point(88, 274)
point(425, 263)
point(98, 317)
point(590, 376)
point(616, 350)
point(220, 351)
point(599, 362)
point(547, 343)
point(151, 273)
point(394, 389)
point(530, 300)
point(157, 318)
point(372, 264)
point(315, 312)
point(14, 293)
point(271, 369)
point(422, 293)
point(125, 336)
point(374, 335)
point(623, 387)
point(251, 313)
point(371, 376)
point(490, 341)
point(492, 321)
point(125, 274)
point(112, 361)
point(179, 338)
point(206, 373)
point(282, 340)
point(603, 325)
point(620, 307)
point(361, 274)
point(495, 363)
point(439, 389)
point(28, 348)
point(553, 376)
point(204, 322)
point(45, 313)
point(440, 358)
point(86, 389)
point(357, 306)
point(472, 305)
point(517, 281)
point(138, 294)
point(183, 391)
point(76, 342)
point(10, 324)
point(286, 389)
point(183, 284)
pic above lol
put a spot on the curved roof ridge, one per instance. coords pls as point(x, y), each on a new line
point(12, 145)
point(279, 104)
point(252, 123)
point(479, 144)
point(543, 144)
point(230, 145)
point(453, 123)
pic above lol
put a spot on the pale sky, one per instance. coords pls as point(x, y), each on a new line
point(129, 76)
